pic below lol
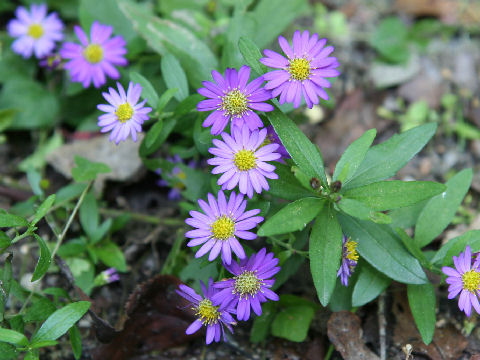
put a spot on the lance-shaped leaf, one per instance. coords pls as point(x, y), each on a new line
point(384, 160)
point(387, 195)
point(305, 154)
point(383, 250)
point(353, 157)
point(325, 252)
point(293, 217)
point(421, 299)
point(60, 321)
point(287, 185)
point(441, 209)
point(369, 285)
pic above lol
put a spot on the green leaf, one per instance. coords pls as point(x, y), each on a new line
point(101, 231)
point(406, 217)
point(292, 323)
point(261, 324)
point(44, 260)
point(441, 209)
point(165, 36)
point(241, 23)
point(154, 133)
point(456, 245)
point(69, 192)
point(421, 299)
point(43, 209)
point(13, 337)
point(383, 250)
point(5, 284)
point(287, 186)
point(384, 160)
point(10, 220)
point(9, 352)
point(293, 217)
point(41, 309)
point(36, 106)
point(390, 39)
point(44, 344)
point(369, 285)
point(6, 118)
point(187, 105)
point(75, 341)
point(165, 98)
point(325, 253)
point(412, 247)
point(148, 91)
point(252, 55)
point(60, 321)
point(305, 154)
point(5, 241)
point(111, 255)
point(167, 128)
point(106, 12)
point(88, 214)
point(32, 355)
point(87, 170)
point(34, 178)
point(174, 76)
point(274, 16)
point(361, 211)
point(353, 157)
point(387, 195)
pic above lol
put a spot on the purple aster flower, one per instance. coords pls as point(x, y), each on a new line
point(464, 280)
point(272, 138)
point(223, 223)
point(51, 61)
point(106, 277)
point(123, 116)
point(304, 70)
point(232, 98)
point(209, 315)
point(176, 178)
point(92, 60)
point(251, 284)
point(36, 31)
point(242, 158)
point(349, 260)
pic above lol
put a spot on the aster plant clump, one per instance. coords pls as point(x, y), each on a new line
point(262, 211)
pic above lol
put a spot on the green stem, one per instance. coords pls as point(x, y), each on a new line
point(288, 247)
point(143, 217)
point(70, 219)
point(329, 352)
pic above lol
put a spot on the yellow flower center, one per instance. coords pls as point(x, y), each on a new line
point(93, 53)
point(208, 313)
point(124, 112)
point(223, 228)
point(299, 69)
point(35, 31)
point(247, 283)
point(471, 281)
point(244, 160)
point(352, 253)
point(234, 103)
